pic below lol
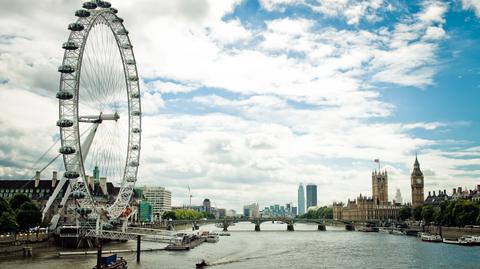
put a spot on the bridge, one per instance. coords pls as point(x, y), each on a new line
point(227, 222)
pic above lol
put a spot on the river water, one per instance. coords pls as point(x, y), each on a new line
point(276, 248)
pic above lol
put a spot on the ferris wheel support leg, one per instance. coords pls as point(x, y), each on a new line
point(56, 218)
point(87, 143)
point(53, 196)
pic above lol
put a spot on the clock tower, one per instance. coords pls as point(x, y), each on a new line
point(417, 184)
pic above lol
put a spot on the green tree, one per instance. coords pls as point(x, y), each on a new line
point(8, 222)
point(417, 213)
point(18, 200)
point(465, 213)
point(169, 215)
point(427, 213)
point(28, 216)
point(405, 212)
point(4, 205)
point(188, 214)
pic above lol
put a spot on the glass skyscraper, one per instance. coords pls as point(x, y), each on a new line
point(311, 195)
point(301, 200)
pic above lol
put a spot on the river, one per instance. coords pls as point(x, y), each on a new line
point(276, 248)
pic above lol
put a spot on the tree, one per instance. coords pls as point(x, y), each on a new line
point(18, 200)
point(28, 216)
point(405, 212)
point(4, 205)
point(169, 215)
point(8, 223)
point(417, 213)
point(427, 213)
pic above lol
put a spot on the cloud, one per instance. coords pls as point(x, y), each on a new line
point(473, 5)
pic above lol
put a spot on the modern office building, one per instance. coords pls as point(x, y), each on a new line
point(160, 198)
point(301, 200)
point(251, 211)
point(311, 195)
point(206, 206)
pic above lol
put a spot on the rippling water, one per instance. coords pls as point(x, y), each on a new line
point(276, 248)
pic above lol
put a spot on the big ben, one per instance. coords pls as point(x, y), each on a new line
point(417, 184)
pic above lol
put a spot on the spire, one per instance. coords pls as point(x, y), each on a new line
point(416, 167)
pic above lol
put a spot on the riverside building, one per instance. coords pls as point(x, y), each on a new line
point(159, 198)
point(376, 207)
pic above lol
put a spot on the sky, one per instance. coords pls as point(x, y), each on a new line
point(244, 100)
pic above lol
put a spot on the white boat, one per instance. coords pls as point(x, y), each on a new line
point(451, 241)
point(385, 231)
point(431, 238)
point(469, 240)
point(213, 238)
point(398, 232)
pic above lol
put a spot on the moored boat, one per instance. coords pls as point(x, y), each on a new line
point(469, 240)
point(212, 238)
point(451, 241)
point(110, 261)
point(431, 238)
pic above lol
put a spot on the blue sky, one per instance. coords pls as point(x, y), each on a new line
point(243, 100)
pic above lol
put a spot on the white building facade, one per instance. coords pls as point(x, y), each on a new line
point(160, 198)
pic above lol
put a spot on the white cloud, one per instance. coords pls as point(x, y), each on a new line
point(472, 4)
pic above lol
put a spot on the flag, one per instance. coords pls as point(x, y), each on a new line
point(377, 160)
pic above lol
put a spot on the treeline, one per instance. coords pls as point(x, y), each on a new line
point(18, 214)
point(320, 213)
point(186, 214)
point(449, 213)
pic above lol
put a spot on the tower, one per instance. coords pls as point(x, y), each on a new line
point(301, 200)
point(417, 184)
point(96, 174)
point(311, 195)
point(380, 187)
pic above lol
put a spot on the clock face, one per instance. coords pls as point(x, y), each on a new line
point(419, 181)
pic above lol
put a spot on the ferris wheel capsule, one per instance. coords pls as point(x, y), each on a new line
point(78, 194)
point(89, 5)
point(67, 150)
point(76, 27)
point(64, 123)
point(70, 46)
point(130, 61)
point(135, 95)
point(82, 13)
point(122, 32)
point(117, 20)
point(71, 174)
point(64, 95)
point(66, 69)
point(114, 10)
point(104, 4)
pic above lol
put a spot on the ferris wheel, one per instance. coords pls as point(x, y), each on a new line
point(99, 111)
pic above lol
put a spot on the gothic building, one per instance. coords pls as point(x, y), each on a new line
point(417, 184)
point(376, 207)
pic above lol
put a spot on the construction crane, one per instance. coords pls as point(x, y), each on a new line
point(190, 194)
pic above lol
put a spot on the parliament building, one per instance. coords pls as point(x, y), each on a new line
point(377, 207)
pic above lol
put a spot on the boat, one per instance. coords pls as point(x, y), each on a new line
point(451, 241)
point(398, 232)
point(469, 240)
point(369, 228)
point(201, 264)
point(110, 261)
point(224, 234)
point(385, 231)
point(431, 238)
point(212, 238)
